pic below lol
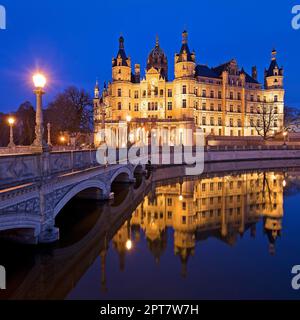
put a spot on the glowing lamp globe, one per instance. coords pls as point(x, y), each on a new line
point(129, 245)
point(128, 118)
point(11, 121)
point(39, 80)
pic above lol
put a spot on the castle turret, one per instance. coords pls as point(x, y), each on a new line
point(274, 75)
point(121, 65)
point(185, 60)
point(97, 91)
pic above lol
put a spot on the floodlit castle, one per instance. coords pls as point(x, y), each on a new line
point(222, 101)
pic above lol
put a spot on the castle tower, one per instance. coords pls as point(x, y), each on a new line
point(185, 60)
point(274, 90)
point(121, 65)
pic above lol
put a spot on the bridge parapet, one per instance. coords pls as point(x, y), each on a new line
point(18, 169)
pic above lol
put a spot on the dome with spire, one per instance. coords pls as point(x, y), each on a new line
point(158, 60)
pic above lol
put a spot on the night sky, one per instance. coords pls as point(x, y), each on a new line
point(73, 42)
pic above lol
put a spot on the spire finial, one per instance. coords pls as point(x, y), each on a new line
point(121, 42)
point(274, 54)
point(184, 37)
point(157, 41)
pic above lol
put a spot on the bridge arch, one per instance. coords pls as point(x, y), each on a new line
point(83, 186)
point(122, 175)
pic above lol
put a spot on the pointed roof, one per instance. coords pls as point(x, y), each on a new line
point(185, 48)
point(121, 54)
point(273, 65)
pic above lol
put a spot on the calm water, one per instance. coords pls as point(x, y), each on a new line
point(232, 236)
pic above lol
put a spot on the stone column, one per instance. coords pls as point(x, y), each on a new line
point(39, 144)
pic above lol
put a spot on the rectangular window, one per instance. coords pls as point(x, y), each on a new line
point(231, 95)
point(136, 107)
point(170, 106)
point(219, 95)
point(170, 93)
point(184, 103)
point(231, 108)
point(219, 107)
point(203, 121)
point(183, 89)
point(275, 98)
point(184, 206)
point(204, 93)
point(136, 94)
point(212, 121)
point(212, 107)
point(119, 92)
point(212, 94)
point(239, 96)
point(220, 121)
point(204, 106)
point(119, 106)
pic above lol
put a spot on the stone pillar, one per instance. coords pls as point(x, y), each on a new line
point(11, 137)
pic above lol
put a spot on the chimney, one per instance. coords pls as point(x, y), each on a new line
point(137, 73)
point(254, 73)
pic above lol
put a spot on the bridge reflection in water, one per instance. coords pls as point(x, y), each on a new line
point(179, 211)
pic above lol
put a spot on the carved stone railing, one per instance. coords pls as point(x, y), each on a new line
point(20, 169)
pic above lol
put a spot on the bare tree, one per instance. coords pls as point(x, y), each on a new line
point(266, 120)
point(71, 111)
point(291, 119)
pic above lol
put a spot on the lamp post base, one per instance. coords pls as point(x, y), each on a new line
point(40, 148)
point(11, 145)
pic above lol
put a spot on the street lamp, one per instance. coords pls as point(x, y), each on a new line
point(129, 245)
point(62, 139)
point(39, 81)
point(11, 121)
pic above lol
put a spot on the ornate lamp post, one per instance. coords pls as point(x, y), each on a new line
point(39, 144)
point(49, 134)
point(11, 121)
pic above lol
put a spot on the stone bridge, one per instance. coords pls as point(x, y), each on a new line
point(35, 187)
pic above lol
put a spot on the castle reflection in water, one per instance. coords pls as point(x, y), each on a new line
point(222, 207)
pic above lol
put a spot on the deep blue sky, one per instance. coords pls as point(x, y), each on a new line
point(74, 41)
